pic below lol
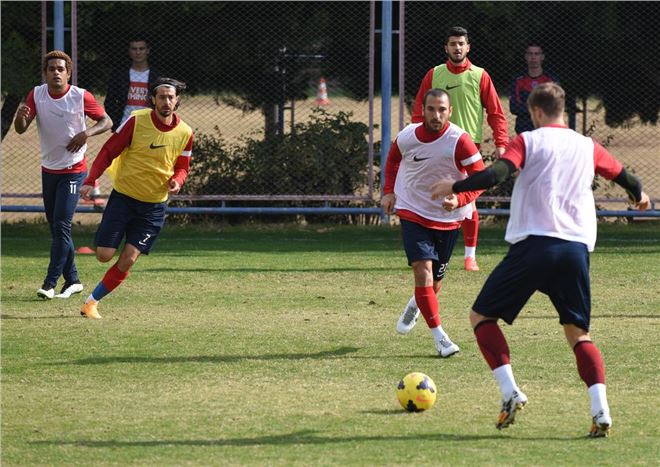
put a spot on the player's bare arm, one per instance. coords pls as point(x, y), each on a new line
point(644, 203)
point(79, 140)
point(23, 118)
point(173, 187)
point(387, 202)
point(450, 202)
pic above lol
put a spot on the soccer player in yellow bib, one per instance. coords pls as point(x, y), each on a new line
point(150, 154)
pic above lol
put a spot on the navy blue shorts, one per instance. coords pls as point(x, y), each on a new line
point(556, 267)
point(421, 243)
point(140, 222)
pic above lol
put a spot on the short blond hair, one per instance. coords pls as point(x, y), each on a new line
point(59, 55)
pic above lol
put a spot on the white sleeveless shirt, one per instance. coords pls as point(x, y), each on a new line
point(423, 164)
point(58, 121)
point(553, 196)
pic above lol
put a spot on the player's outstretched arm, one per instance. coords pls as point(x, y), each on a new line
point(633, 188)
point(499, 171)
point(644, 203)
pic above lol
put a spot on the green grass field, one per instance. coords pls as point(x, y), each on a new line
point(262, 345)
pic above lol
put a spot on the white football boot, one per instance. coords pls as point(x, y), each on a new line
point(510, 407)
point(446, 348)
point(408, 318)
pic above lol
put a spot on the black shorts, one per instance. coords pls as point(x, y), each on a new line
point(556, 267)
point(422, 243)
point(141, 222)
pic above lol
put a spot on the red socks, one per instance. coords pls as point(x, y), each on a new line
point(113, 278)
point(471, 229)
point(589, 363)
point(492, 344)
point(428, 305)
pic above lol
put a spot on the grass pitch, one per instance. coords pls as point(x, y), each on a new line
point(276, 346)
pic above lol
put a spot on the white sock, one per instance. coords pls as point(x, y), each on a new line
point(470, 251)
point(598, 397)
point(439, 334)
point(504, 376)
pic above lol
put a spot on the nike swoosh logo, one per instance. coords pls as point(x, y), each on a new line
point(452, 87)
point(417, 159)
point(152, 146)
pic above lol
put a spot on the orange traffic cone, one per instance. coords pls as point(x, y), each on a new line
point(85, 250)
point(322, 94)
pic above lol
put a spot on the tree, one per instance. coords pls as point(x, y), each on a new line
point(21, 61)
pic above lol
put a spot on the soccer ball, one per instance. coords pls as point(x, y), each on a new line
point(416, 392)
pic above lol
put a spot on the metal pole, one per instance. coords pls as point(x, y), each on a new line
point(386, 86)
point(74, 42)
point(44, 33)
point(372, 55)
point(58, 25)
point(402, 61)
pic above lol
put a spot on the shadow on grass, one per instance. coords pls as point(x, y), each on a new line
point(76, 316)
point(596, 316)
point(339, 352)
point(260, 270)
point(300, 437)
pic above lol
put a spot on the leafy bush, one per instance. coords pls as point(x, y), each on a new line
point(325, 156)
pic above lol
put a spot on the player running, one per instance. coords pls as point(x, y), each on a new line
point(422, 154)
point(552, 229)
point(152, 151)
point(60, 110)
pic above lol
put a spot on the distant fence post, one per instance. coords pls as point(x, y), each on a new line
point(58, 25)
point(386, 89)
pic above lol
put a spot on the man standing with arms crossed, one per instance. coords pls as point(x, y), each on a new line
point(60, 110)
point(421, 155)
point(552, 230)
point(152, 150)
point(471, 91)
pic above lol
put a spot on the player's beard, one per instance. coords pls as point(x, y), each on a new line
point(456, 61)
point(165, 113)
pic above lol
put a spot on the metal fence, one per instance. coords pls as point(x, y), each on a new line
point(285, 99)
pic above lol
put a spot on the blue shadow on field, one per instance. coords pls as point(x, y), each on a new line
point(108, 360)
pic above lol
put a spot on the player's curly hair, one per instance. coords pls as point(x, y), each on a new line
point(57, 54)
point(179, 87)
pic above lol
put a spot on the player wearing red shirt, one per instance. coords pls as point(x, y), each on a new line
point(552, 229)
point(421, 155)
point(60, 110)
point(152, 152)
point(471, 90)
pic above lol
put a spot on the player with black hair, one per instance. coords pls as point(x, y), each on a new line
point(150, 157)
point(60, 110)
point(422, 154)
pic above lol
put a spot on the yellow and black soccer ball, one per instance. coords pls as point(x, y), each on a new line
point(416, 392)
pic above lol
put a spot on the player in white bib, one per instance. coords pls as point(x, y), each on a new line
point(60, 110)
point(422, 154)
point(552, 230)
